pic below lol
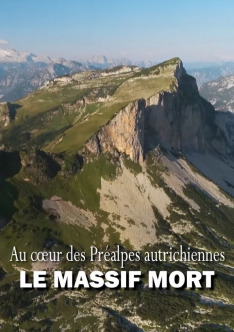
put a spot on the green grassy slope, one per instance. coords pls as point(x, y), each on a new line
point(62, 116)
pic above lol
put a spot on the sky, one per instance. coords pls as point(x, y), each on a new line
point(135, 29)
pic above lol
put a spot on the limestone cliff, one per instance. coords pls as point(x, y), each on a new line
point(123, 134)
point(178, 119)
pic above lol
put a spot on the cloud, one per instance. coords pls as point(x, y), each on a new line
point(3, 41)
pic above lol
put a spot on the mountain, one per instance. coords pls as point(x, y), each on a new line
point(103, 62)
point(220, 93)
point(211, 73)
point(24, 72)
point(11, 55)
point(126, 157)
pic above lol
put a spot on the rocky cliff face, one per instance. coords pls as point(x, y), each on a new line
point(123, 134)
point(4, 115)
point(177, 119)
point(182, 121)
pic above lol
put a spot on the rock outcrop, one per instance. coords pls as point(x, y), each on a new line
point(39, 167)
point(123, 134)
point(4, 114)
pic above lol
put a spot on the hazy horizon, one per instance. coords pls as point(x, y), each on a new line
point(153, 30)
point(189, 65)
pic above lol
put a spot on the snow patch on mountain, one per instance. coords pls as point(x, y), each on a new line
point(11, 55)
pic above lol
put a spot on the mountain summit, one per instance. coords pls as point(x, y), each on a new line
point(11, 55)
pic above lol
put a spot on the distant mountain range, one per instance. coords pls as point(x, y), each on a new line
point(220, 93)
point(22, 72)
point(12, 55)
point(210, 73)
point(103, 62)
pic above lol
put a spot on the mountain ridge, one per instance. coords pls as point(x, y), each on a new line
point(22, 72)
point(161, 109)
point(177, 91)
point(211, 73)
